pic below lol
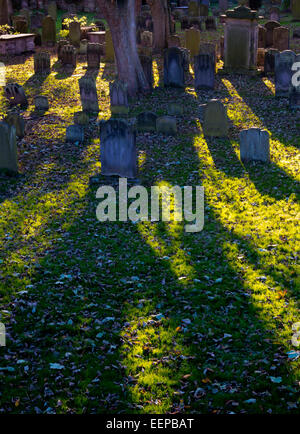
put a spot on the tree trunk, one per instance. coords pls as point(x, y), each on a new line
point(161, 23)
point(121, 18)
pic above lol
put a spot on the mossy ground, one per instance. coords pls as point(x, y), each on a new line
point(145, 317)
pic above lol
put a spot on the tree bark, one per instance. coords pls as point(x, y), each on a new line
point(161, 23)
point(121, 18)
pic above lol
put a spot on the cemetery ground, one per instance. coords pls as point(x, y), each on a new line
point(145, 318)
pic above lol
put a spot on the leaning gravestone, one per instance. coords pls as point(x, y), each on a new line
point(118, 149)
point(8, 147)
point(215, 119)
point(146, 122)
point(88, 95)
point(254, 145)
point(48, 31)
point(204, 71)
point(94, 51)
point(174, 64)
point(42, 63)
point(118, 93)
point(283, 73)
point(16, 95)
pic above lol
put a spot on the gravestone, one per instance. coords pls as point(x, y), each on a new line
point(109, 47)
point(37, 20)
point(48, 31)
point(88, 95)
point(254, 145)
point(74, 33)
point(118, 93)
point(16, 95)
point(83, 47)
point(81, 118)
point(93, 55)
point(274, 14)
point(194, 9)
point(240, 39)
point(166, 125)
point(147, 39)
point(146, 122)
point(215, 122)
point(41, 103)
point(296, 10)
point(192, 41)
point(261, 57)
point(52, 10)
point(204, 71)
point(14, 119)
point(4, 13)
point(283, 73)
point(147, 65)
point(61, 43)
point(174, 64)
point(281, 38)
point(118, 149)
point(74, 133)
point(270, 26)
point(42, 63)
point(203, 10)
point(262, 37)
point(8, 147)
point(270, 55)
point(68, 56)
point(21, 25)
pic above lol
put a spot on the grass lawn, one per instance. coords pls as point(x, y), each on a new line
point(146, 318)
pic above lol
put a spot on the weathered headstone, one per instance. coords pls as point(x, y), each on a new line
point(16, 95)
point(21, 26)
point(215, 119)
point(48, 31)
point(68, 56)
point(75, 133)
point(194, 9)
point(88, 94)
point(270, 55)
point(147, 39)
point(118, 149)
point(283, 73)
point(241, 39)
point(174, 64)
point(41, 103)
point(204, 71)
point(118, 93)
point(270, 26)
point(42, 63)
point(147, 65)
point(166, 125)
point(94, 55)
point(262, 35)
point(295, 88)
point(254, 145)
point(146, 122)
point(274, 14)
point(16, 120)
point(8, 147)
point(61, 43)
point(210, 23)
point(81, 118)
point(281, 38)
point(74, 33)
point(192, 41)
